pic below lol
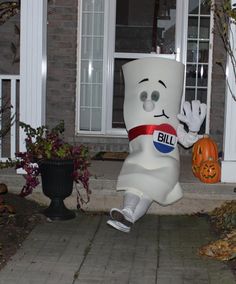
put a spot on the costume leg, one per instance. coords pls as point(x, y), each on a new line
point(125, 215)
point(141, 208)
point(123, 219)
point(130, 202)
point(134, 208)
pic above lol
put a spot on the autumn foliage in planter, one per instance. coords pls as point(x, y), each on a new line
point(43, 144)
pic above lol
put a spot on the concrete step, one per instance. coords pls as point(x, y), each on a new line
point(198, 197)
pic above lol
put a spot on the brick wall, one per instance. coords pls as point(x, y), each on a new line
point(217, 92)
point(61, 81)
point(8, 36)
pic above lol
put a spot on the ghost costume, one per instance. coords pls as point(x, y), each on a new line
point(153, 91)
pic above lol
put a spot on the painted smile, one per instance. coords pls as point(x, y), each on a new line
point(163, 114)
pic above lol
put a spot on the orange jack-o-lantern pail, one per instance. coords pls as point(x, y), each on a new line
point(204, 149)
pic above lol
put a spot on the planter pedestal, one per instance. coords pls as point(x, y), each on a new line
point(57, 184)
point(58, 211)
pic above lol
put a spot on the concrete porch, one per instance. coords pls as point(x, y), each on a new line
point(198, 197)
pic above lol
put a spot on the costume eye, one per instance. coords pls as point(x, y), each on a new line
point(143, 96)
point(155, 96)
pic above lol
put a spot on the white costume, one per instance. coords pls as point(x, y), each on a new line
point(153, 91)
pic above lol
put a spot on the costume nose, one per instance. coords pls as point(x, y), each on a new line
point(148, 105)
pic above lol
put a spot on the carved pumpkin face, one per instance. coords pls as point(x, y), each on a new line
point(210, 172)
point(203, 150)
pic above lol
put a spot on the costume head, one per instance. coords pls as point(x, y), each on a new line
point(153, 90)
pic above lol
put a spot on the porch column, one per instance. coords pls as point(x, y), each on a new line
point(33, 63)
point(228, 171)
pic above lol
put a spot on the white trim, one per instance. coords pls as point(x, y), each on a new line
point(106, 63)
point(78, 60)
point(110, 62)
point(13, 112)
point(117, 132)
point(181, 30)
point(209, 75)
point(14, 79)
point(78, 79)
point(33, 64)
point(230, 109)
point(9, 77)
point(101, 135)
point(142, 55)
point(182, 43)
point(228, 168)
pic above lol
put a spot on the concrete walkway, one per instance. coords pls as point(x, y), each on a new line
point(159, 249)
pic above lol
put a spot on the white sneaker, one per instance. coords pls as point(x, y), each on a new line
point(119, 226)
point(122, 216)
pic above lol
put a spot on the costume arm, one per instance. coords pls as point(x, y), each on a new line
point(186, 139)
point(193, 116)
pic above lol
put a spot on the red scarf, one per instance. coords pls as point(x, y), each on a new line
point(141, 130)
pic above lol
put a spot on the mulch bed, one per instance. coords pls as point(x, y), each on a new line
point(16, 227)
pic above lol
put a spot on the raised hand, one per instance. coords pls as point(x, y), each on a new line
point(193, 115)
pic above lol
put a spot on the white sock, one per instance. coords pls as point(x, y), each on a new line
point(141, 208)
point(135, 206)
point(130, 202)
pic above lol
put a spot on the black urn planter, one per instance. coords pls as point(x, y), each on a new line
point(57, 184)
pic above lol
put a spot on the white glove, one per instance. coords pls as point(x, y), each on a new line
point(186, 139)
point(193, 117)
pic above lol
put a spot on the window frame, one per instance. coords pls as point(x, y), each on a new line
point(109, 56)
point(199, 15)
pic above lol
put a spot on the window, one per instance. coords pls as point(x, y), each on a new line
point(113, 33)
point(91, 66)
point(198, 65)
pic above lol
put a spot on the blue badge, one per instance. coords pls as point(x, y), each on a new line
point(165, 138)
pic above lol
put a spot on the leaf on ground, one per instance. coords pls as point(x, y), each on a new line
point(224, 217)
point(222, 249)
